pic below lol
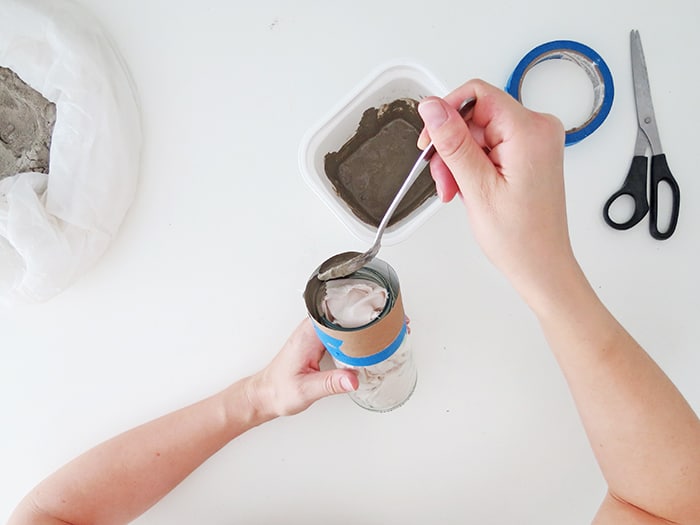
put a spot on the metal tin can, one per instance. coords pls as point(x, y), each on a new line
point(380, 351)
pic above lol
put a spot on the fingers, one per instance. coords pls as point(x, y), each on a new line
point(322, 384)
point(445, 183)
point(305, 337)
point(423, 139)
point(316, 385)
point(464, 148)
point(460, 153)
point(306, 333)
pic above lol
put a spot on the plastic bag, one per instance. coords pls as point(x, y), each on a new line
point(54, 227)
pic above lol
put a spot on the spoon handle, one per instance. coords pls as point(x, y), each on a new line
point(417, 169)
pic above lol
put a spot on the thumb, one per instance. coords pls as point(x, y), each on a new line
point(329, 382)
point(454, 143)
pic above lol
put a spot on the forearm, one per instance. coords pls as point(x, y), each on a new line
point(644, 434)
point(508, 166)
point(118, 480)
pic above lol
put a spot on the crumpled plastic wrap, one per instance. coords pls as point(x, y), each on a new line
point(352, 303)
point(54, 227)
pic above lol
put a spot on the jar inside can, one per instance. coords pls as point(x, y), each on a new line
point(367, 336)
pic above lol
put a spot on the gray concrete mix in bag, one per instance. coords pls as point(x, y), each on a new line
point(26, 125)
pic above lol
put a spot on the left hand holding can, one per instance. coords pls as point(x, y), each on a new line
point(293, 380)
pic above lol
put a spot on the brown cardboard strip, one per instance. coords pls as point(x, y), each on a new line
point(371, 339)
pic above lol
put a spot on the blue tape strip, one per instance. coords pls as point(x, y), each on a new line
point(333, 346)
point(554, 50)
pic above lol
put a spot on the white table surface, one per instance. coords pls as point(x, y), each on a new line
point(203, 283)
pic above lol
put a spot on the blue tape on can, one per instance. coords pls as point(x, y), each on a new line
point(333, 345)
point(586, 58)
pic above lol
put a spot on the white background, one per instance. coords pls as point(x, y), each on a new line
point(203, 283)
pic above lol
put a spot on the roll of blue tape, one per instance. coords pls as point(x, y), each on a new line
point(588, 60)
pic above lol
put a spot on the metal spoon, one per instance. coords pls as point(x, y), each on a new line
point(347, 263)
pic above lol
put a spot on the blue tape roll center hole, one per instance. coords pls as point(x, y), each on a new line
point(562, 88)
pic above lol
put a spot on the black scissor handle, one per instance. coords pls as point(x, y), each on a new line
point(635, 186)
point(660, 173)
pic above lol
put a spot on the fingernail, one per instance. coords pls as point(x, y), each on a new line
point(440, 192)
point(422, 141)
point(346, 384)
point(432, 113)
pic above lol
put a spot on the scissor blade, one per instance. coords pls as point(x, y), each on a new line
point(642, 94)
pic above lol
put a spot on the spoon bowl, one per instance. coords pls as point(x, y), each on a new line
point(344, 264)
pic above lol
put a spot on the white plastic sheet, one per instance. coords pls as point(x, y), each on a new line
point(54, 227)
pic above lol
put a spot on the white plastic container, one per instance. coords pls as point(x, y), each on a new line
point(388, 83)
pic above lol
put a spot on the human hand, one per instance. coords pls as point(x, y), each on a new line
point(293, 381)
point(507, 163)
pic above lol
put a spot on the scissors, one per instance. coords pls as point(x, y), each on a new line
point(635, 184)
